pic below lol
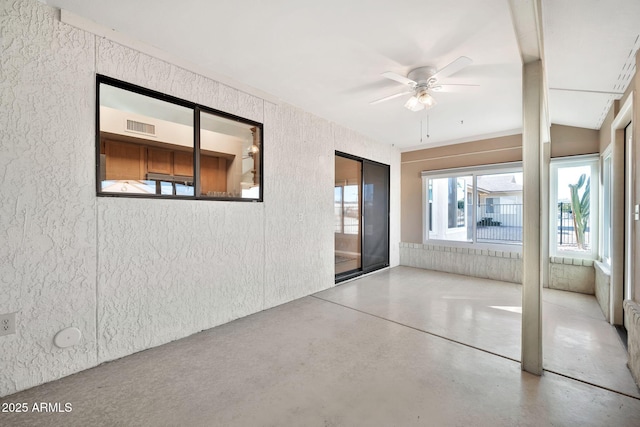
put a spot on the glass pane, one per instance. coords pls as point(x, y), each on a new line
point(347, 196)
point(230, 158)
point(337, 209)
point(183, 189)
point(574, 208)
point(499, 210)
point(351, 209)
point(450, 214)
point(430, 203)
point(146, 145)
point(375, 251)
point(166, 188)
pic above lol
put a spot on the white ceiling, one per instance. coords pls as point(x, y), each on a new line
point(590, 45)
point(326, 57)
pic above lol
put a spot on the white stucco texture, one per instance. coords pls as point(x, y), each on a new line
point(131, 274)
point(47, 202)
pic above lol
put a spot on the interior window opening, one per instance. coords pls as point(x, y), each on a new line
point(153, 145)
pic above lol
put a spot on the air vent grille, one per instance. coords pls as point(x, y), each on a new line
point(139, 127)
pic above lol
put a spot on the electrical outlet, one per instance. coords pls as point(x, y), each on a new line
point(7, 324)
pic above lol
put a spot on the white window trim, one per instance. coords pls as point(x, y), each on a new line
point(472, 171)
point(559, 162)
point(607, 153)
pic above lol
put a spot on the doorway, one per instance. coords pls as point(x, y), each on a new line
point(361, 215)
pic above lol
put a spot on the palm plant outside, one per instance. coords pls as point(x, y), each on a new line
point(580, 206)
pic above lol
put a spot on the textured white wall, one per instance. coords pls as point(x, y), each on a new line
point(133, 274)
point(170, 268)
point(47, 202)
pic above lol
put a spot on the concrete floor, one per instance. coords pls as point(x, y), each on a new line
point(363, 353)
point(485, 314)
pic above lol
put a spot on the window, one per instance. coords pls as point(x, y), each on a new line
point(154, 145)
point(497, 215)
point(449, 208)
point(573, 207)
point(489, 205)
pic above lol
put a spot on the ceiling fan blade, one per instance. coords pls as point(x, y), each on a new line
point(400, 79)
point(454, 88)
point(452, 68)
point(386, 98)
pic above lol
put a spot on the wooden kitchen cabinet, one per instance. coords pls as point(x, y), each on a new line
point(182, 163)
point(213, 174)
point(124, 161)
point(159, 161)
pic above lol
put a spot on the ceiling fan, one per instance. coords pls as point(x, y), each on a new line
point(424, 80)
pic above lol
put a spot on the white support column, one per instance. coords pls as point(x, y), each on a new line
point(545, 190)
point(532, 155)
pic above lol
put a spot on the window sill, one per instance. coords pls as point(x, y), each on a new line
point(505, 247)
point(500, 251)
point(603, 268)
point(580, 262)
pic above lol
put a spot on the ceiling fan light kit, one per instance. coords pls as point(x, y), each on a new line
point(413, 104)
point(420, 101)
point(422, 81)
point(427, 100)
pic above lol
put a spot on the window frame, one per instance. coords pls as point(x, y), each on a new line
point(606, 183)
point(474, 172)
point(197, 110)
point(573, 161)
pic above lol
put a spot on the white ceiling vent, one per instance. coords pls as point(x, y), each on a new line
point(139, 127)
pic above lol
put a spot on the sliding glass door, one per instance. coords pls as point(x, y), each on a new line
point(361, 212)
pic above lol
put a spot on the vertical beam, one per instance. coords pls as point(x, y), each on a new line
point(634, 229)
point(545, 219)
point(532, 106)
point(617, 224)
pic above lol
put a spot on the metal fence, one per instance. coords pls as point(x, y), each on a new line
point(566, 235)
point(499, 222)
point(460, 218)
